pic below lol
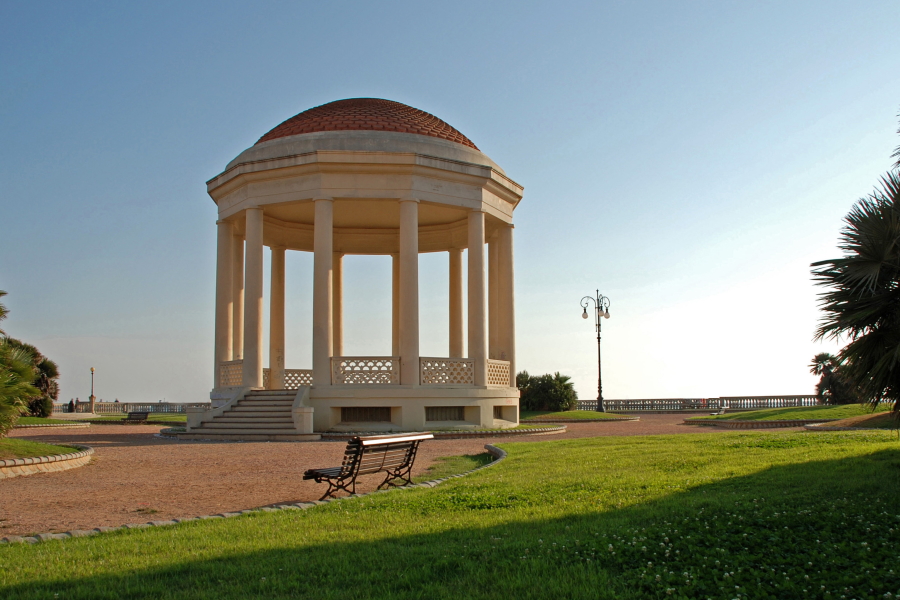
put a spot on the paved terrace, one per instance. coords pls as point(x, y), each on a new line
point(134, 472)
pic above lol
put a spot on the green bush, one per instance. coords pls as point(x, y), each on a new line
point(41, 407)
point(546, 392)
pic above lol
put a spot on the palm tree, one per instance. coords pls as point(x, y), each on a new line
point(833, 387)
point(17, 371)
point(862, 301)
point(3, 312)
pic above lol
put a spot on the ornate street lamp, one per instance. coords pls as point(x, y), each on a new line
point(92, 390)
point(601, 309)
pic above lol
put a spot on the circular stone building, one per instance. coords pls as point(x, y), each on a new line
point(362, 176)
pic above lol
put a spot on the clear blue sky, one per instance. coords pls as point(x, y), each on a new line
point(689, 159)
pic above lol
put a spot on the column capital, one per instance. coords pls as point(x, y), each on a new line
point(416, 200)
point(323, 199)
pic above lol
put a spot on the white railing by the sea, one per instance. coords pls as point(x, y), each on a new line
point(702, 404)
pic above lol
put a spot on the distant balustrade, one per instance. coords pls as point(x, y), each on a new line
point(703, 404)
point(114, 408)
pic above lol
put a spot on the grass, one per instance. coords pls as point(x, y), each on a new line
point(19, 448)
point(880, 420)
point(166, 417)
point(739, 514)
point(587, 415)
point(451, 465)
point(42, 421)
point(840, 411)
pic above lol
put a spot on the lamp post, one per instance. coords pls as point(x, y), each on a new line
point(601, 309)
point(92, 390)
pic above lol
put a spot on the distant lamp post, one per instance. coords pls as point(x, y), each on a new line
point(92, 390)
point(601, 310)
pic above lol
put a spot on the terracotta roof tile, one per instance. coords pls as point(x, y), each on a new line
point(367, 114)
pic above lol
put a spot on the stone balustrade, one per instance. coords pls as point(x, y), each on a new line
point(446, 371)
point(365, 370)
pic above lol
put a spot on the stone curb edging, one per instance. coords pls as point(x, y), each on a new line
point(15, 467)
point(613, 420)
point(123, 422)
point(38, 425)
point(756, 424)
point(496, 452)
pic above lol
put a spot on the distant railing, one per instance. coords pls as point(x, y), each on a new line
point(113, 408)
point(365, 370)
point(446, 371)
point(498, 373)
point(701, 404)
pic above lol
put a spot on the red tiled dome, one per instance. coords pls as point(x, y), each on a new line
point(367, 114)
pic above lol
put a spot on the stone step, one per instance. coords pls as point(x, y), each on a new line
point(239, 432)
point(251, 418)
point(269, 393)
point(264, 401)
point(255, 436)
point(261, 406)
point(251, 424)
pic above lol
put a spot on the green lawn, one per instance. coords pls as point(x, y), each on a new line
point(841, 411)
point(735, 514)
point(167, 417)
point(19, 448)
point(42, 421)
point(587, 415)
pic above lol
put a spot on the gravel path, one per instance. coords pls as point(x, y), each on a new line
point(137, 477)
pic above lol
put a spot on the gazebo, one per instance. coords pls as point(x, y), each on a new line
point(362, 176)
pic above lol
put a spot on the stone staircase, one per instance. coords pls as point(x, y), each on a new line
point(261, 415)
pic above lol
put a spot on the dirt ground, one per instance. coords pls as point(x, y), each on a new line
point(137, 477)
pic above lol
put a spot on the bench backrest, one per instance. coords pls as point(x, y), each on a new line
point(365, 455)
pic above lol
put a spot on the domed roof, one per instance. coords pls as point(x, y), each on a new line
point(367, 114)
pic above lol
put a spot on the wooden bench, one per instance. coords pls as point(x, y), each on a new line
point(136, 417)
point(390, 454)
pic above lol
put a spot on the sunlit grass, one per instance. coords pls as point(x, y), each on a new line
point(20, 448)
point(737, 514)
point(840, 411)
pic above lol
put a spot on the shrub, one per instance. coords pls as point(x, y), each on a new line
point(546, 392)
point(41, 407)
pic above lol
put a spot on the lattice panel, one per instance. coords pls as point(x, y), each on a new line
point(498, 373)
point(231, 373)
point(445, 371)
point(365, 370)
point(297, 378)
point(266, 378)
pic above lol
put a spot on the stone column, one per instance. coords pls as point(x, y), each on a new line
point(224, 254)
point(276, 321)
point(507, 294)
point(493, 304)
point(477, 297)
point(323, 342)
point(253, 301)
point(237, 296)
point(409, 292)
point(456, 303)
point(395, 305)
point(337, 310)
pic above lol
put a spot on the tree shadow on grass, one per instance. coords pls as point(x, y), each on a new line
point(785, 517)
